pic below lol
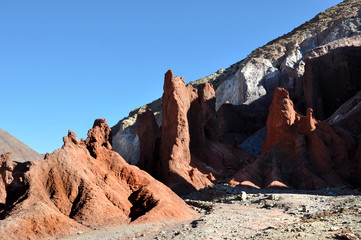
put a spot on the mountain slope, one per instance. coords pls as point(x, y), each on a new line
point(20, 152)
point(280, 63)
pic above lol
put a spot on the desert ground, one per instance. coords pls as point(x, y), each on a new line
point(242, 213)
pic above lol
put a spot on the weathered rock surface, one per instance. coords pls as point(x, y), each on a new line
point(175, 155)
point(281, 62)
point(81, 186)
point(189, 154)
point(299, 152)
point(20, 151)
point(12, 174)
point(332, 75)
point(150, 139)
point(125, 138)
point(253, 145)
point(238, 122)
point(346, 120)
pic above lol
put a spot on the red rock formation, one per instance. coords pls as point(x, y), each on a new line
point(299, 152)
point(177, 172)
point(6, 169)
point(81, 186)
point(281, 116)
point(208, 152)
point(191, 154)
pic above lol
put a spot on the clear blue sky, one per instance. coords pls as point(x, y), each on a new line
point(65, 63)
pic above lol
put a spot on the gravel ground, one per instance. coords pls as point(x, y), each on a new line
point(240, 213)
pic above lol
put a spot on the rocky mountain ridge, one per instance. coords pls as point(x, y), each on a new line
point(280, 63)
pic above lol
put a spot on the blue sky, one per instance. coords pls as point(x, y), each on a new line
point(65, 63)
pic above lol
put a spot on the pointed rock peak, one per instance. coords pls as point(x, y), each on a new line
point(102, 123)
point(281, 116)
point(70, 139)
point(98, 136)
point(169, 75)
point(306, 124)
point(100, 132)
point(171, 82)
point(281, 93)
point(168, 80)
point(206, 92)
point(311, 122)
point(5, 161)
point(281, 109)
point(5, 156)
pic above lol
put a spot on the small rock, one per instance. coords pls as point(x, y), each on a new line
point(334, 228)
point(80, 232)
point(273, 197)
point(303, 209)
point(268, 204)
point(243, 196)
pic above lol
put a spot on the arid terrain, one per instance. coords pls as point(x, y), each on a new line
point(241, 213)
point(269, 148)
